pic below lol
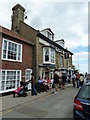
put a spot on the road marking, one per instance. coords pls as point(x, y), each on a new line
point(5, 112)
point(29, 102)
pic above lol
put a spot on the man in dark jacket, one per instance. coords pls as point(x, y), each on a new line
point(63, 81)
point(56, 81)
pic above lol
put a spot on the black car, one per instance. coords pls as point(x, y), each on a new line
point(81, 108)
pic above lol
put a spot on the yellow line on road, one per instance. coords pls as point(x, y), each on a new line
point(19, 106)
point(5, 112)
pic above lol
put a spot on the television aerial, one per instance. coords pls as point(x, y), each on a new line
point(25, 15)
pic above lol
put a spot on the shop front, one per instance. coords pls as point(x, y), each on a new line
point(47, 71)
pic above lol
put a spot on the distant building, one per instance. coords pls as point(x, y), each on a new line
point(16, 61)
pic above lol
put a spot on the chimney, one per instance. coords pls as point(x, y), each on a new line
point(17, 16)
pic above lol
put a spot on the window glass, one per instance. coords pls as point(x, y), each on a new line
point(52, 56)
point(61, 61)
point(3, 75)
point(46, 54)
point(28, 74)
point(12, 79)
point(12, 51)
point(4, 49)
point(2, 85)
point(85, 92)
point(49, 55)
point(49, 35)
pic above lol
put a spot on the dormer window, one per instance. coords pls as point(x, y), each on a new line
point(49, 35)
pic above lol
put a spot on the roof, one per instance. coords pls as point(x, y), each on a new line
point(18, 6)
point(48, 29)
point(52, 42)
point(59, 40)
point(14, 35)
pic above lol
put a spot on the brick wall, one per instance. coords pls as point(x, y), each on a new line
point(27, 58)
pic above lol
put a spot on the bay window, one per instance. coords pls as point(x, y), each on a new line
point(61, 60)
point(46, 55)
point(49, 55)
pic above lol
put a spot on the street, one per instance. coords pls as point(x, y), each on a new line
point(59, 105)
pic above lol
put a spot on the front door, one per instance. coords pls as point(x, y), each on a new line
point(28, 77)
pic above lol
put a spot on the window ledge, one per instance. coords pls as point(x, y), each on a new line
point(11, 60)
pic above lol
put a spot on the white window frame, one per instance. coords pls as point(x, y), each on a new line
point(62, 65)
point(7, 51)
point(12, 89)
point(49, 62)
point(28, 69)
point(29, 85)
point(50, 35)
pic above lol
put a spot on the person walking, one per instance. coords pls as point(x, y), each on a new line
point(81, 79)
point(73, 79)
point(56, 81)
point(77, 80)
point(49, 83)
point(45, 84)
point(40, 84)
point(63, 78)
point(33, 89)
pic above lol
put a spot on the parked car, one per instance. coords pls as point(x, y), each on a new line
point(81, 108)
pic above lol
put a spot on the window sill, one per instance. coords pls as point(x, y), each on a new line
point(48, 63)
point(11, 60)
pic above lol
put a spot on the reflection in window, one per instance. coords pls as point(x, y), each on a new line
point(52, 55)
point(49, 55)
point(61, 61)
point(46, 55)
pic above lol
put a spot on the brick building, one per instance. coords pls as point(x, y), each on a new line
point(16, 61)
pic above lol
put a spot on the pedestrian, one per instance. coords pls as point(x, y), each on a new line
point(40, 84)
point(56, 81)
point(63, 81)
point(77, 80)
point(86, 76)
point(45, 84)
point(73, 79)
point(49, 83)
point(81, 79)
point(33, 89)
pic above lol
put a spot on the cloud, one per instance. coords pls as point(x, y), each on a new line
point(67, 19)
point(83, 68)
point(80, 60)
point(80, 56)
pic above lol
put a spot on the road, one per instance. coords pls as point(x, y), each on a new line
point(59, 105)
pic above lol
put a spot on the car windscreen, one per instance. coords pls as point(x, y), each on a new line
point(85, 92)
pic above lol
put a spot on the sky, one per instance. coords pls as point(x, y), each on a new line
point(68, 20)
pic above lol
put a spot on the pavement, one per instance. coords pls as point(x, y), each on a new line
point(8, 102)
